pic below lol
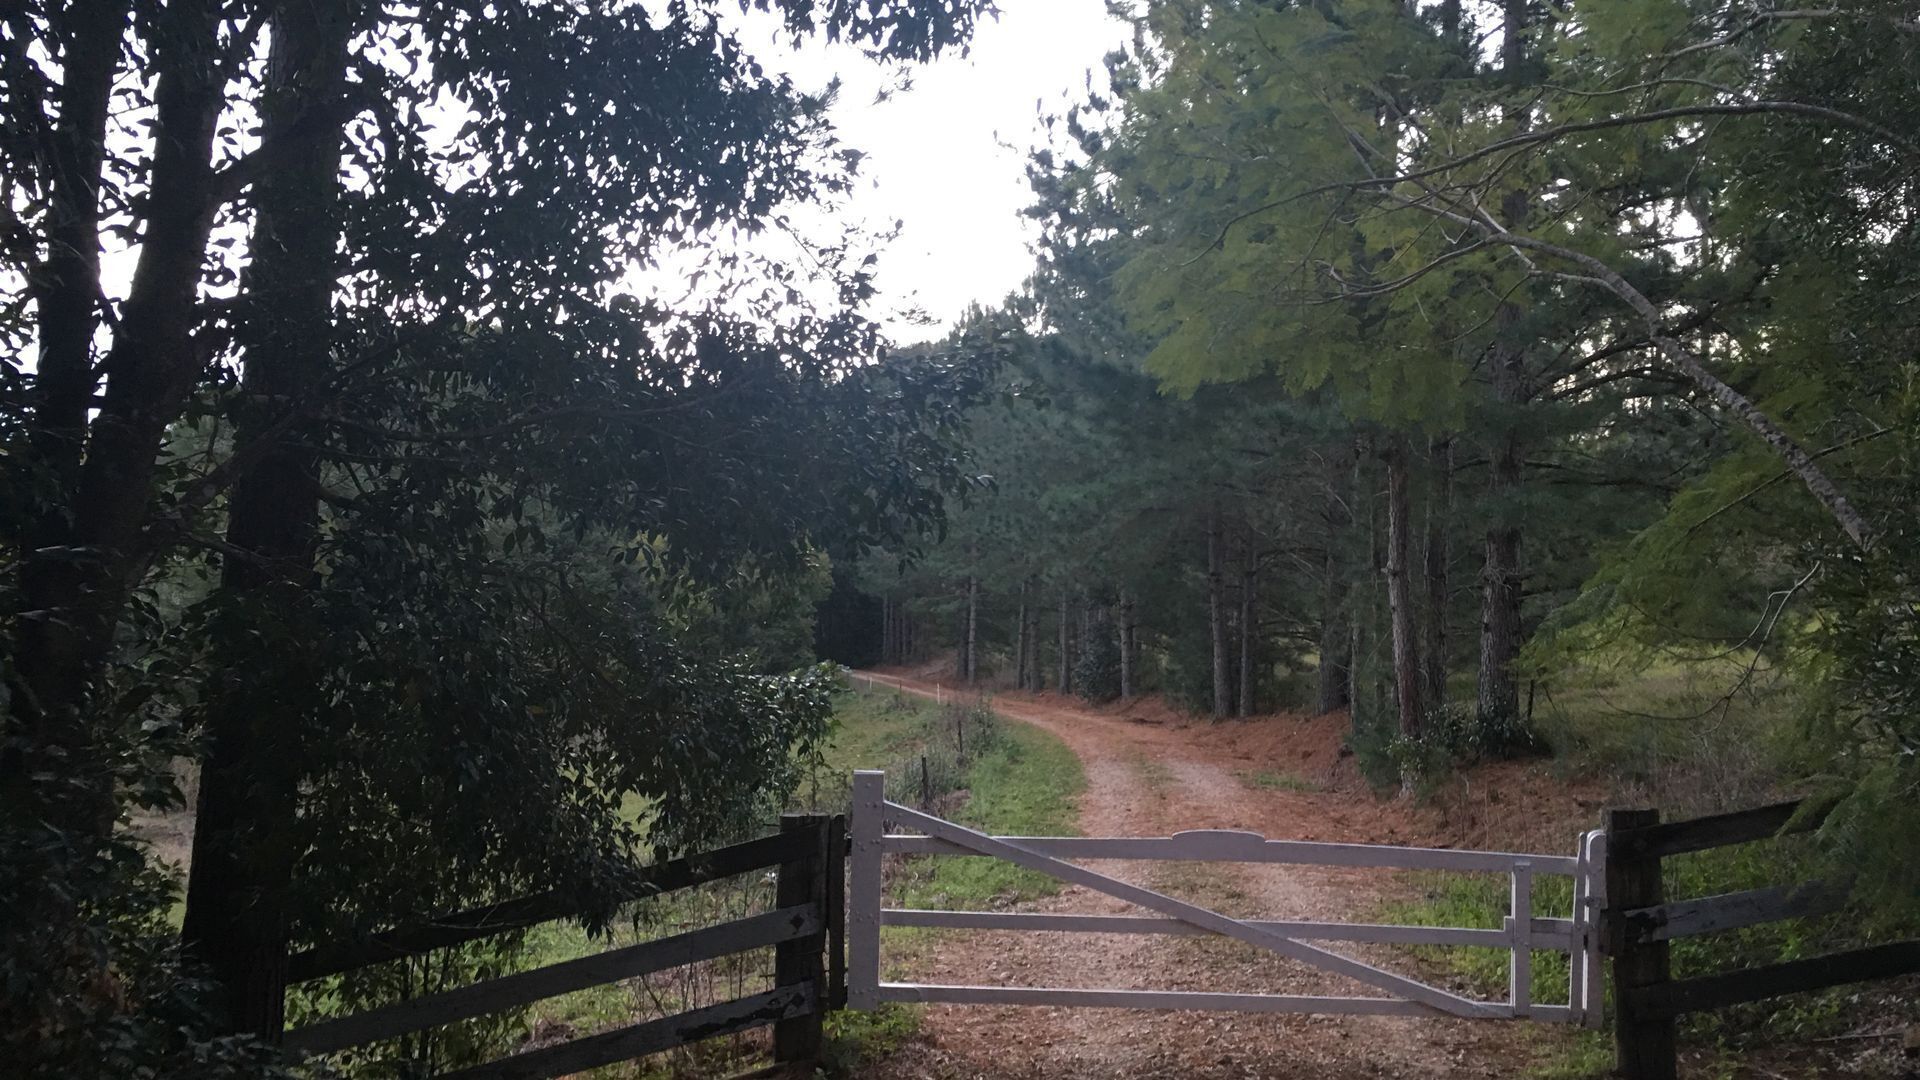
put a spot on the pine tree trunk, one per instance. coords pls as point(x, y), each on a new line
point(1498, 696)
point(1217, 618)
point(1408, 679)
point(1439, 512)
point(1030, 633)
point(1065, 682)
point(1036, 681)
point(1020, 643)
point(244, 837)
point(960, 644)
point(886, 629)
point(1336, 640)
point(1247, 575)
point(973, 630)
point(1126, 649)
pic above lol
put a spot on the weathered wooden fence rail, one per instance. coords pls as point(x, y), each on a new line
point(804, 928)
point(1620, 910)
point(1640, 923)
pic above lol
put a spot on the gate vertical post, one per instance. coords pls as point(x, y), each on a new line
point(1587, 971)
point(867, 822)
point(1644, 1043)
point(802, 880)
point(1520, 941)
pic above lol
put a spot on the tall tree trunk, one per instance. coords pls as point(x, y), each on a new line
point(1336, 622)
point(1066, 647)
point(1035, 681)
point(1217, 617)
point(1364, 613)
point(1500, 576)
point(48, 731)
point(1408, 679)
point(1020, 643)
point(886, 629)
point(244, 840)
point(1126, 649)
point(973, 629)
point(1439, 513)
point(1026, 650)
point(1247, 577)
point(66, 286)
point(960, 645)
point(902, 631)
point(150, 369)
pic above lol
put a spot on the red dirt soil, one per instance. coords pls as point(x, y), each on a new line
point(1154, 771)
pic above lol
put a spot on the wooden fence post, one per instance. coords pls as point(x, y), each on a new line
point(1644, 1043)
point(803, 880)
point(864, 883)
point(836, 875)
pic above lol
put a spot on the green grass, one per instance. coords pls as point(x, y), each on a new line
point(1668, 731)
point(1575, 1055)
point(855, 1040)
point(1026, 784)
point(872, 728)
point(1271, 780)
point(1479, 901)
point(1018, 780)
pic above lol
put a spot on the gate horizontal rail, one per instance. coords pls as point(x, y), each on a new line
point(1222, 845)
point(1520, 934)
point(1556, 935)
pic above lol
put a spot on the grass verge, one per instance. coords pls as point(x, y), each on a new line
point(999, 777)
point(1481, 900)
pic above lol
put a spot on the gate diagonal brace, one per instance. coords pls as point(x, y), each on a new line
point(1193, 914)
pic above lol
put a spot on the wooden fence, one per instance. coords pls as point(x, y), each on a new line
point(1640, 923)
point(805, 929)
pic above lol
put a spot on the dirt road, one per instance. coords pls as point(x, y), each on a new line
point(1153, 775)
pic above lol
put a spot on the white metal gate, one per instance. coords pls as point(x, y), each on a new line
point(1522, 931)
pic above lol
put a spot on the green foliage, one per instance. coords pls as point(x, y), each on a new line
point(150, 1014)
point(857, 1040)
point(426, 1052)
point(485, 553)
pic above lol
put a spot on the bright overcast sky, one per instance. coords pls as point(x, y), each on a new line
point(947, 157)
